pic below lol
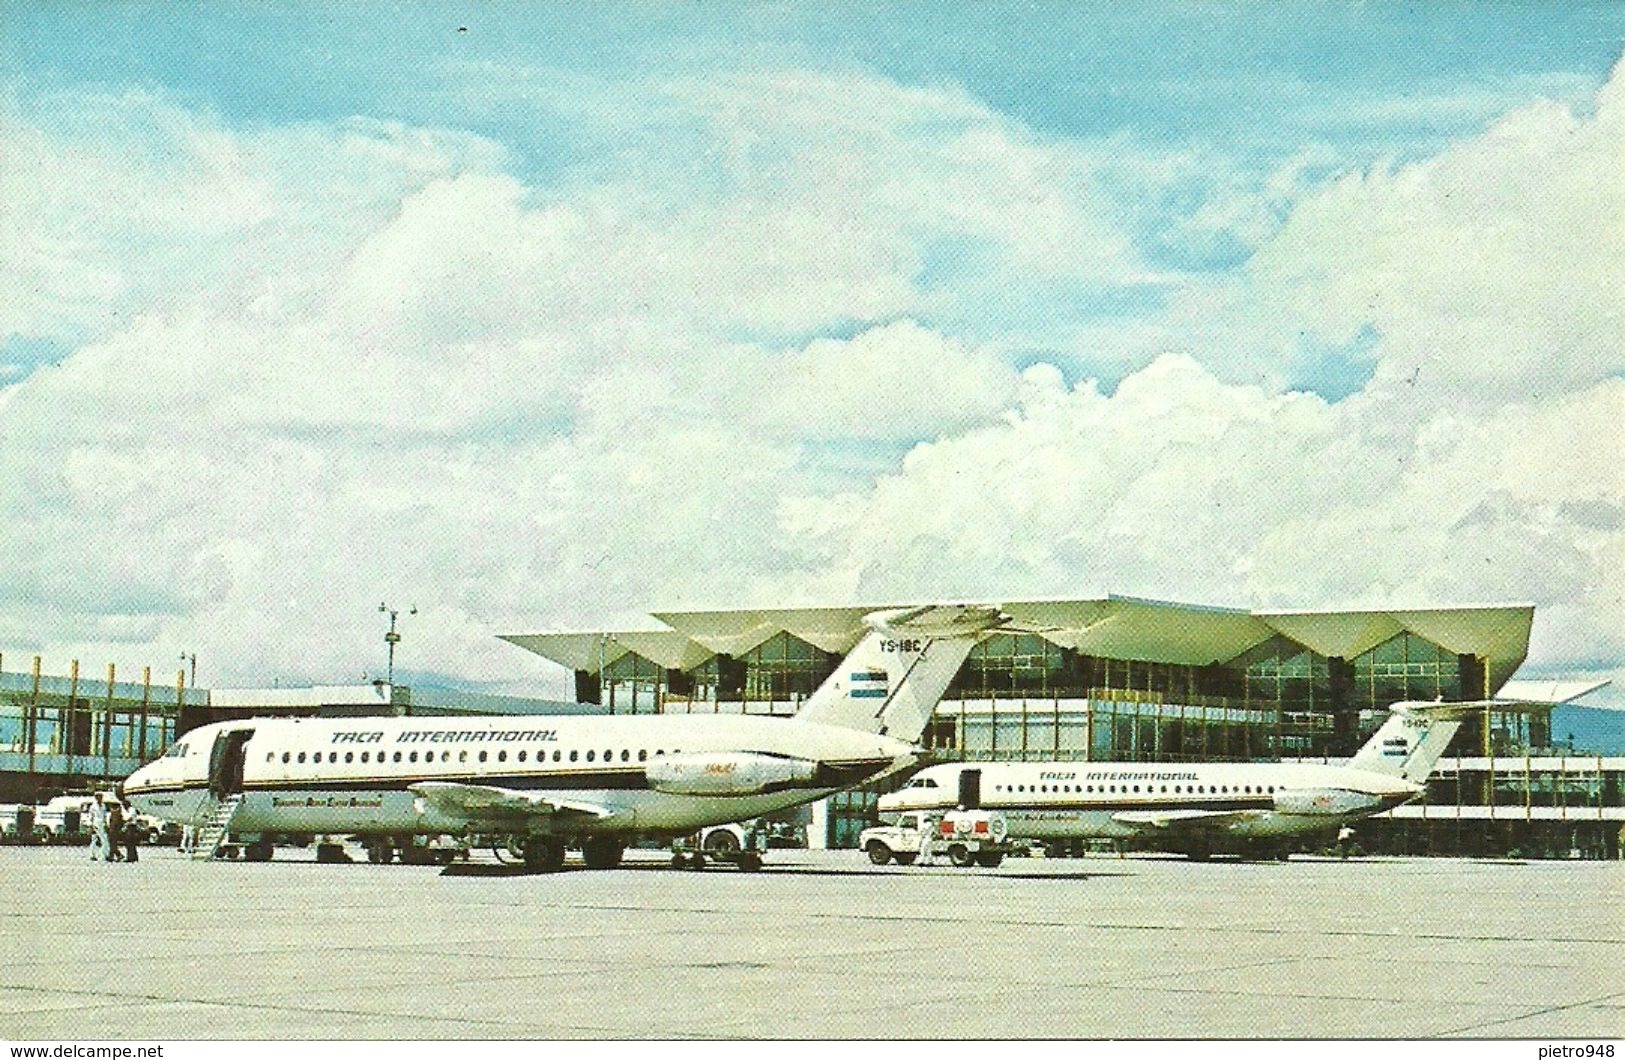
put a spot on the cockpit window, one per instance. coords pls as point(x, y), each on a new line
point(176, 751)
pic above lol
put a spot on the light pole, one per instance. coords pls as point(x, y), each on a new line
point(392, 638)
point(190, 657)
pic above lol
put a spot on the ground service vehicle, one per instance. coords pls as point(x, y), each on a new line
point(740, 844)
point(967, 837)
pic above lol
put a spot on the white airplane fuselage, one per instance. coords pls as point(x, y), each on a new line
point(1122, 800)
point(352, 776)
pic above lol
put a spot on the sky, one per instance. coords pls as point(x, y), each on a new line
point(543, 319)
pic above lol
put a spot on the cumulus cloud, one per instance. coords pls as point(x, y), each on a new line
point(1490, 272)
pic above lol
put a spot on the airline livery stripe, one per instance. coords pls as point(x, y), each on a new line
point(868, 675)
point(580, 780)
point(868, 693)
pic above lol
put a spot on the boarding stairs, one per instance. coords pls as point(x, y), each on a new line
point(215, 827)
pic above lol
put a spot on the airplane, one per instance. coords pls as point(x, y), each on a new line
point(539, 783)
point(1193, 807)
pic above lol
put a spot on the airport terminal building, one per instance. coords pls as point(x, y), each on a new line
point(1111, 679)
point(1124, 679)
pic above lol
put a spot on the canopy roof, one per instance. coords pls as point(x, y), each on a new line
point(1118, 627)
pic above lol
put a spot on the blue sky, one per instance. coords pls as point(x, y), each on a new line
point(552, 317)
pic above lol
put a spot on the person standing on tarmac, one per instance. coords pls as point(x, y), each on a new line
point(1345, 839)
point(928, 835)
point(132, 835)
point(115, 830)
point(98, 829)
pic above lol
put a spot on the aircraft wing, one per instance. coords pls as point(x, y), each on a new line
point(1181, 820)
point(476, 801)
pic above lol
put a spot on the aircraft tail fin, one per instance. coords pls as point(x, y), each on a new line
point(1409, 744)
point(891, 681)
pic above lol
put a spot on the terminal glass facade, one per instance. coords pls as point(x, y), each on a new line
point(59, 733)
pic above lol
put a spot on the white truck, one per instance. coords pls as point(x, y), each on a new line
point(968, 837)
point(63, 817)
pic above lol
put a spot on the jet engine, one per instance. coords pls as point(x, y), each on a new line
point(1324, 802)
point(727, 773)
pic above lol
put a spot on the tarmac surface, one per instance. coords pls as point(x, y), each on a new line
point(817, 945)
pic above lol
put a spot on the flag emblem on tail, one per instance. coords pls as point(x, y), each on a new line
point(868, 684)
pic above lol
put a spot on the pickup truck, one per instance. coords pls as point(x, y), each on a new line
point(968, 837)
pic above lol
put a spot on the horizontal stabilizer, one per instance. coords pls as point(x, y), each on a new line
point(1553, 692)
point(476, 801)
point(937, 620)
point(1441, 710)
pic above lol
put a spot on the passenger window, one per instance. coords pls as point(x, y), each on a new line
point(626, 756)
point(521, 756)
point(270, 755)
point(301, 758)
point(482, 756)
point(366, 756)
point(589, 756)
point(349, 756)
point(502, 756)
point(397, 756)
point(462, 756)
point(643, 755)
point(445, 756)
point(557, 755)
point(609, 756)
point(573, 755)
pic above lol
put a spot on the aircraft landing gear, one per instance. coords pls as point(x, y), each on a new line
point(543, 853)
point(331, 854)
point(602, 852)
point(260, 850)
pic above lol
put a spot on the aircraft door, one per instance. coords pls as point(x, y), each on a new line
point(970, 789)
point(226, 760)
